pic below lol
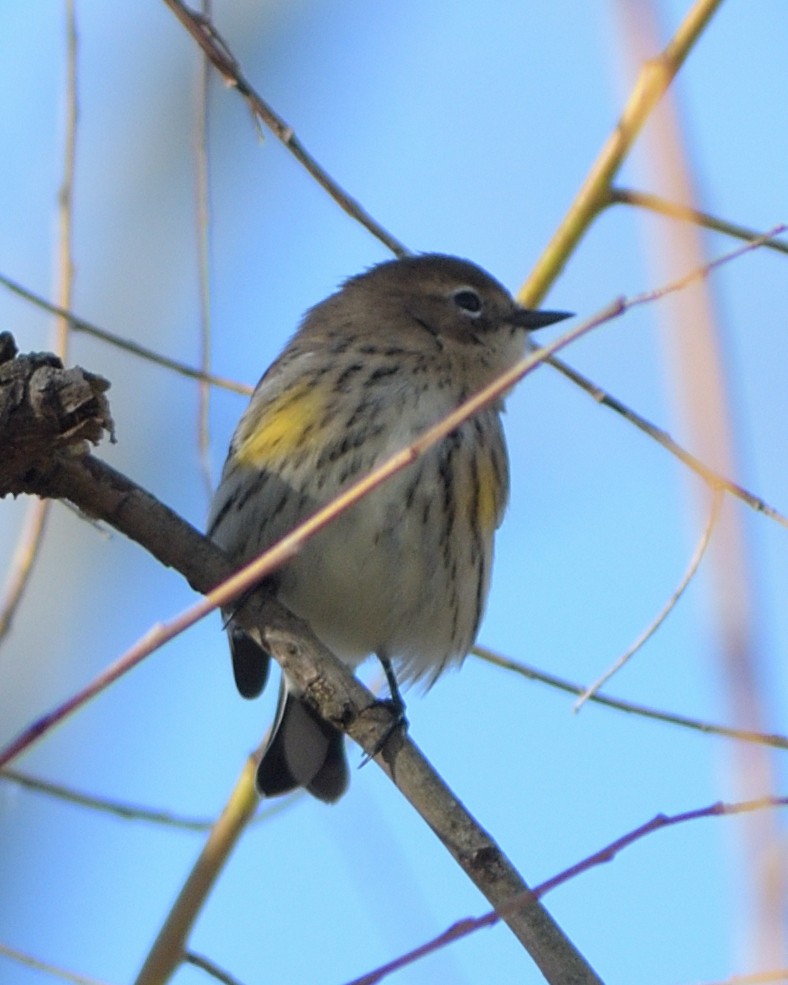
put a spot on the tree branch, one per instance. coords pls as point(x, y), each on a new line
point(655, 76)
point(674, 210)
point(218, 53)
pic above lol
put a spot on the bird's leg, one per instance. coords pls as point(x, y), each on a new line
point(394, 703)
point(397, 704)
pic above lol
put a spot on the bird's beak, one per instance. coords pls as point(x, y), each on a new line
point(531, 319)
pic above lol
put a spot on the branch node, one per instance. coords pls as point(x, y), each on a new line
point(46, 412)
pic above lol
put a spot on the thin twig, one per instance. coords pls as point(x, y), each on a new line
point(21, 566)
point(714, 479)
point(31, 538)
point(655, 203)
point(65, 264)
point(127, 811)
point(203, 219)
point(221, 57)
point(50, 969)
point(654, 79)
point(704, 269)
point(463, 928)
point(630, 707)
point(168, 950)
point(81, 325)
point(697, 556)
point(711, 477)
point(213, 969)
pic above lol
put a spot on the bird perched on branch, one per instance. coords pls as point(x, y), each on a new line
point(404, 573)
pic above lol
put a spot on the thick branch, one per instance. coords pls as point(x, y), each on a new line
point(45, 411)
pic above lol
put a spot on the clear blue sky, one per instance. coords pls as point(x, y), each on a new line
point(464, 128)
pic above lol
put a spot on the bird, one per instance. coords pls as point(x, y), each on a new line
point(403, 574)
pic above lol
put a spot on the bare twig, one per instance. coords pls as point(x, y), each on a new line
point(169, 949)
point(203, 260)
point(130, 812)
point(218, 51)
point(65, 275)
point(656, 203)
point(709, 475)
point(22, 561)
point(81, 325)
point(714, 479)
point(30, 961)
point(692, 568)
point(655, 77)
point(65, 259)
point(32, 535)
point(630, 707)
point(213, 969)
point(704, 269)
point(470, 925)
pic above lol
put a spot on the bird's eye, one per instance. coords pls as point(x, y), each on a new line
point(468, 300)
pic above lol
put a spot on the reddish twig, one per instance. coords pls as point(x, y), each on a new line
point(462, 928)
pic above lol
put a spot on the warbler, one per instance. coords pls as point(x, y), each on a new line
point(405, 572)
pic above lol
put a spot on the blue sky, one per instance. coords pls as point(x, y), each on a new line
point(464, 128)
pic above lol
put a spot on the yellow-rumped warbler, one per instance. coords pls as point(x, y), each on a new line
point(404, 573)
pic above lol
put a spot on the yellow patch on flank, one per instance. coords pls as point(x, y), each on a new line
point(489, 502)
point(291, 422)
